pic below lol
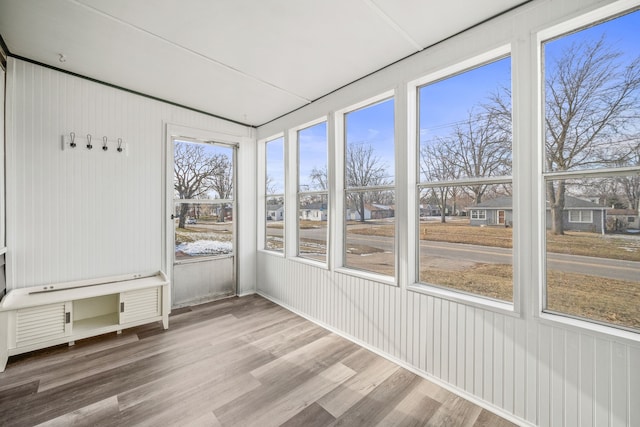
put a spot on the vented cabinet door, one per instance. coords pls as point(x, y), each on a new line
point(43, 323)
point(140, 304)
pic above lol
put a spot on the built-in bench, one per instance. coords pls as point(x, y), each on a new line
point(43, 316)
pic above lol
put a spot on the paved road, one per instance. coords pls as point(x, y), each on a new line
point(598, 267)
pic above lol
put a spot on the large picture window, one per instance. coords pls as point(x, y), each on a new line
point(274, 191)
point(464, 190)
point(313, 196)
point(369, 225)
point(592, 172)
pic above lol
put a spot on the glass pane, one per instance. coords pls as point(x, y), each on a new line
point(312, 226)
point(312, 158)
point(465, 124)
point(275, 224)
point(591, 96)
point(203, 230)
point(593, 249)
point(466, 239)
point(275, 167)
point(202, 171)
point(369, 159)
point(370, 230)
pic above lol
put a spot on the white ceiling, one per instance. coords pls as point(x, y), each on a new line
point(246, 60)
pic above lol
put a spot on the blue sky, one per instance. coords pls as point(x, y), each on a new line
point(312, 153)
point(622, 33)
point(447, 102)
point(374, 125)
point(442, 103)
point(275, 164)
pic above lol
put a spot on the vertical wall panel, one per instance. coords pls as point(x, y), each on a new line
point(634, 386)
point(620, 376)
point(76, 214)
point(571, 382)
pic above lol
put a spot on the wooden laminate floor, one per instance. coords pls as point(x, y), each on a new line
point(237, 362)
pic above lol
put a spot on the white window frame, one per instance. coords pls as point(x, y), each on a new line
point(339, 220)
point(581, 216)
point(566, 27)
point(413, 87)
point(294, 136)
point(479, 214)
point(266, 196)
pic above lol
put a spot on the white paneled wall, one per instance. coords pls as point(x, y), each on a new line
point(531, 368)
point(541, 374)
point(77, 214)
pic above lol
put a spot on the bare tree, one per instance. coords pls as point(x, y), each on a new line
point(591, 105)
point(222, 182)
point(363, 169)
point(631, 183)
point(436, 165)
point(480, 147)
point(195, 172)
point(319, 178)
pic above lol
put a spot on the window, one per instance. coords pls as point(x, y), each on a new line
point(203, 199)
point(592, 163)
point(478, 214)
point(581, 216)
point(464, 182)
point(274, 190)
point(313, 196)
point(369, 225)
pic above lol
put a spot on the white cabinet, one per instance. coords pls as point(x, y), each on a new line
point(38, 324)
point(140, 304)
point(38, 317)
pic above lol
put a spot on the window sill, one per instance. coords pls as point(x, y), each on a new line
point(466, 299)
point(386, 280)
point(585, 326)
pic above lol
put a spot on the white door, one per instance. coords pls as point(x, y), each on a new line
point(203, 217)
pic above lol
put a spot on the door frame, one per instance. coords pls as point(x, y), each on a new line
point(172, 132)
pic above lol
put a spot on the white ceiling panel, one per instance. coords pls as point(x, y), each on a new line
point(126, 57)
point(308, 47)
point(430, 21)
point(247, 60)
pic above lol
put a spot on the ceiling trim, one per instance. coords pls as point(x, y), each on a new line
point(155, 98)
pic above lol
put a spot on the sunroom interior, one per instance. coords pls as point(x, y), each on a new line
point(453, 187)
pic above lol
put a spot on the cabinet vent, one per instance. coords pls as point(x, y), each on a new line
point(141, 304)
point(39, 324)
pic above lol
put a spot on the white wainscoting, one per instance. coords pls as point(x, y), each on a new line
point(539, 374)
point(77, 214)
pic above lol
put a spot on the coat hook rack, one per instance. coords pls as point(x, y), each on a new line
point(71, 141)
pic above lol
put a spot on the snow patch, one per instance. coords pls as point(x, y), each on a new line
point(205, 247)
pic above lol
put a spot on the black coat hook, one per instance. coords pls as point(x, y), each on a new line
point(89, 146)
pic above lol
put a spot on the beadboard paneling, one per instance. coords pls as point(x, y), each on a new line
point(76, 213)
point(543, 375)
